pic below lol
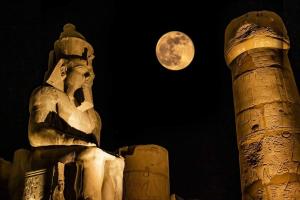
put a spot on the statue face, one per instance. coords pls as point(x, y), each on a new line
point(77, 74)
point(75, 77)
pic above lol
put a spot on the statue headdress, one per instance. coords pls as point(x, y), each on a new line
point(71, 44)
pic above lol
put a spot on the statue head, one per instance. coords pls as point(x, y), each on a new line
point(70, 66)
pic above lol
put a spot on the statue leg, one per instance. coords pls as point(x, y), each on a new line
point(92, 160)
point(112, 188)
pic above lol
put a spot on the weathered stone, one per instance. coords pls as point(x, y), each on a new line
point(37, 185)
point(5, 171)
point(64, 131)
point(20, 165)
point(267, 106)
point(146, 173)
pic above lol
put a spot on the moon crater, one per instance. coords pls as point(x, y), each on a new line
point(175, 50)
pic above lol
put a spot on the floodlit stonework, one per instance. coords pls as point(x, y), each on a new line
point(66, 161)
point(267, 106)
point(146, 173)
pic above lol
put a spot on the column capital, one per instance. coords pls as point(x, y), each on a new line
point(256, 29)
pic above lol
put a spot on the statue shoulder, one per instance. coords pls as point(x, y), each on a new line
point(44, 90)
point(44, 95)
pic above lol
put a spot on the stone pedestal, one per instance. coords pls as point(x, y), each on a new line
point(59, 174)
point(146, 173)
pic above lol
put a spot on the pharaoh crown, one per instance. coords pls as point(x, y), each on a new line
point(72, 44)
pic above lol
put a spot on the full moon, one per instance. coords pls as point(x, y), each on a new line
point(175, 50)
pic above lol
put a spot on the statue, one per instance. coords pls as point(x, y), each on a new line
point(61, 111)
point(64, 126)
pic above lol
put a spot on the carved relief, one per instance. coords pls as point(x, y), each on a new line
point(267, 106)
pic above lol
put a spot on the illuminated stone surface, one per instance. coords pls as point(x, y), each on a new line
point(146, 173)
point(267, 106)
point(64, 131)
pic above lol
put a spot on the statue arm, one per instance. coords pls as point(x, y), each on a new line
point(43, 136)
point(45, 127)
point(95, 118)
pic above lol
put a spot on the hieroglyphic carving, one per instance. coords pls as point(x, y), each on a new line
point(36, 185)
point(267, 106)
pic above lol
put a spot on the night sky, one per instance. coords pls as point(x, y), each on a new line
point(189, 112)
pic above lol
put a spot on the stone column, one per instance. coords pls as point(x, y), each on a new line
point(267, 106)
point(146, 173)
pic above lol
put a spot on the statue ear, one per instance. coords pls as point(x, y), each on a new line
point(63, 72)
point(58, 75)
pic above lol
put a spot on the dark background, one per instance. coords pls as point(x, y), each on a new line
point(189, 112)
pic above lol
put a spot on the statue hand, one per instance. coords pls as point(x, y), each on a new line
point(89, 78)
point(87, 92)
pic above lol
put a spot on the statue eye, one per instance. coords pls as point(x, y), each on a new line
point(86, 74)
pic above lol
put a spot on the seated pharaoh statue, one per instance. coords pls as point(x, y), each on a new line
point(64, 127)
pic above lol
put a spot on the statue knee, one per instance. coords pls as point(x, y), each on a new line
point(117, 164)
point(90, 154)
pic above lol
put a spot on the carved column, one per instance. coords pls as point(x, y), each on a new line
point(146, 173)
point(267, 106)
